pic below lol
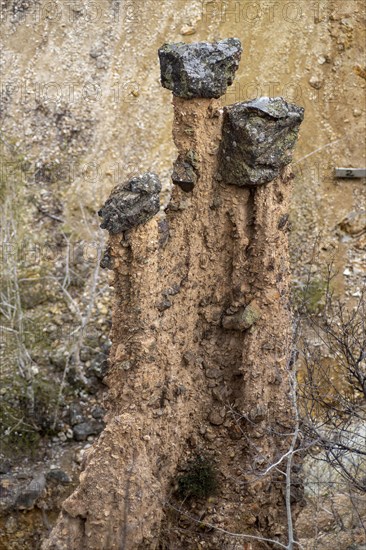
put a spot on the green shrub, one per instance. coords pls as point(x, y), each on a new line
point(311, 296)
point(199, 479)
point(20, 429)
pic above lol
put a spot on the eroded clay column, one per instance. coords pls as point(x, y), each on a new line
point(257, 145)
point(166, 271)
point(201, 326)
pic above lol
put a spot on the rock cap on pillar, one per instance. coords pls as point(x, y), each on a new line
point(200, 69)
point(132, 203)
point(258, 140)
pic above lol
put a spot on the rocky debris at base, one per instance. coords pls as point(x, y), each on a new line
point(58, 357)
point(82, 431)
point(58, 476)
point(33, 480)
point(27, 498)
point(98, 412)
point(8, 492)
point(258, 140)
point(200, 69)
point(75, 414)
point(354, 224)
point(132, 203)
point(5, 466)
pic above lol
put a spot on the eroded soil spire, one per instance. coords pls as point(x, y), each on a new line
point(201, 328)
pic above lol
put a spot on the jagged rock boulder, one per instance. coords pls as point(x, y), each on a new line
point(258, 140)
point(27, 498)
point(132, 203)
point(82, 431)
point(201, 69)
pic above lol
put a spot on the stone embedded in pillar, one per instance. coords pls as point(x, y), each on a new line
point(185, 171)
point(132, 203)
point(184, 175)
point(258, 139)
point(243, 319)
point(200, 69)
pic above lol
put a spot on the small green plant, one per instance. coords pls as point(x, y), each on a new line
point(311, 296)
point(199, 480)
point(21, 429)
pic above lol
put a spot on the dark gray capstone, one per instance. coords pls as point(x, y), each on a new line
point(258, 140)
point(200, 69)
point(132, 203)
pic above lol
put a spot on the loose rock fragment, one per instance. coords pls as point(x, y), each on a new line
point(59, 476)
point(132, 203)
point(200, 69)
point(98, 412)
point(163, 228)
point(82, 431)
point(243, 319)
point(107, 261)
point(184, 174)
point(258, 139)
point(75, 414)
point(354, 223)
point(258, 413)
point(282, 222)
point(216, 418)
point(186, 30)
point(213, 373)
point(28, 497)
point(5, 466)
point(315, 82)
point(185, 171)
point(164, 304)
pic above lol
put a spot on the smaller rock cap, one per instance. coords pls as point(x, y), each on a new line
point(132, 203)
point(200, 69)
